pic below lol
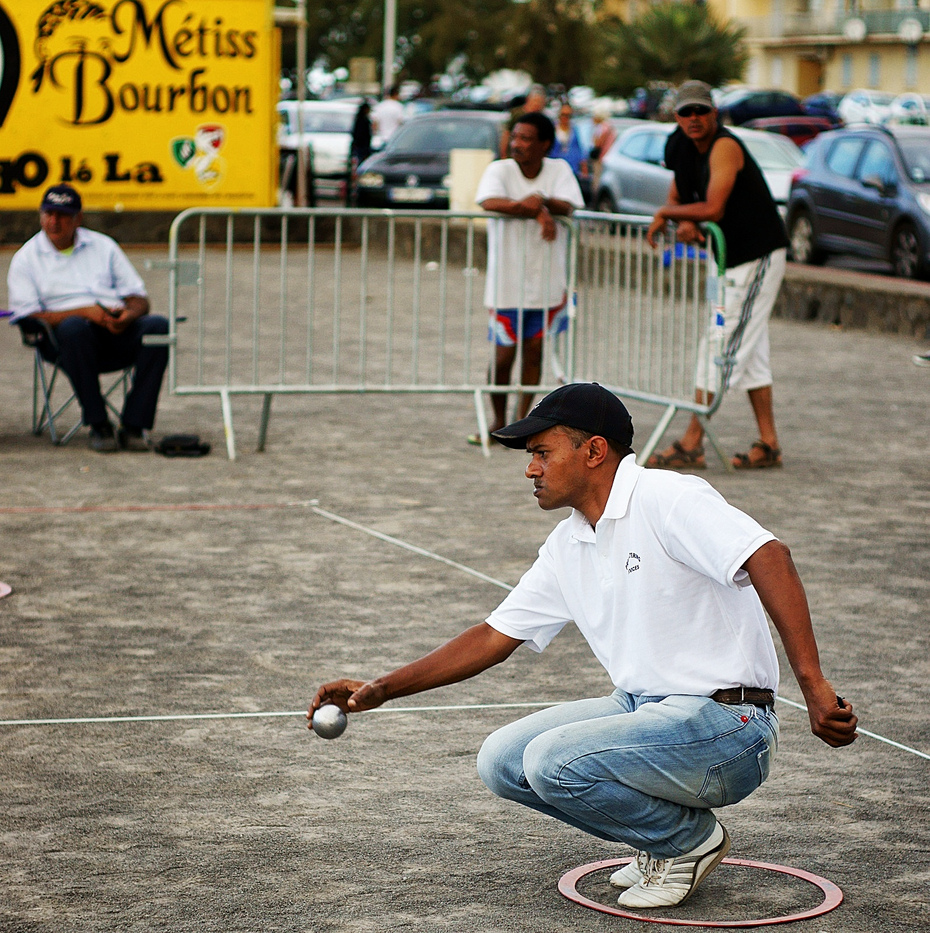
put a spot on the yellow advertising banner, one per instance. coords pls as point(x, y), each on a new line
point(140, 104)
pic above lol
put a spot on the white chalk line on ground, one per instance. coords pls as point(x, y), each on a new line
point(189, 717)
point(160, 507)
point(183, 717)
point(409, 547)
point(381, 536)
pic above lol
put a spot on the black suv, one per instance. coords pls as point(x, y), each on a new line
point(865, 190)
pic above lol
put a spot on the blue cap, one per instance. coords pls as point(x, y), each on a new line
point(62, 199)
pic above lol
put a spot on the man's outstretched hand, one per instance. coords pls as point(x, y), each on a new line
point(351, 696)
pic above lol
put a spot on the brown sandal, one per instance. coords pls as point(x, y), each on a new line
point(681, 458)
point(771, 457)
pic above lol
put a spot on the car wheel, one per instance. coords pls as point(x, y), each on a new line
point(905, 252)
point(605, 203)
point(801, 235)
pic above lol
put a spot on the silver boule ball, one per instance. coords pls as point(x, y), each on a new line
point(329, 722)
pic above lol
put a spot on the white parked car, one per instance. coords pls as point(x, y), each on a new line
point(910, 108)
point(327, 132)
point(865, 106)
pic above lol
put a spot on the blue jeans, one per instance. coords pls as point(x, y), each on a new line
point(86, 350)
point(640, 770)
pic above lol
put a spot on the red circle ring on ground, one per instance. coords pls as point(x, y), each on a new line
point(832, 895)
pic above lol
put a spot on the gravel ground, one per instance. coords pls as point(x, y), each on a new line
point(144, 586)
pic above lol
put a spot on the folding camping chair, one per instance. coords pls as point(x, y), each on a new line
point(40, 338)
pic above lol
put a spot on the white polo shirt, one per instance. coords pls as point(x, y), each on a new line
point(43, 278)
point(657, 588)
point(523, 269)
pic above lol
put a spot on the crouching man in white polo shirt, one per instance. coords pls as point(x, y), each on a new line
point(668, 583)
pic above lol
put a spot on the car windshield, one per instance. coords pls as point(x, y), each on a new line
point(877, 97)
point(443, 136)
point(771, 155)
point(916, 153)
point(323, 121)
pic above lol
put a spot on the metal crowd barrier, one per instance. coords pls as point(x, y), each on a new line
point(645, 317)
point(316, 300)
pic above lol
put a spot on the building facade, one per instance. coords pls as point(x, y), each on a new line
point(806, 46)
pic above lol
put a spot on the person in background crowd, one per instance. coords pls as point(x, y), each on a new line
point(525, 290)
point(602, 139)
point(388, 114)
point(567, 146)
point(534, 102)
point(716, 179)
point(361, 145)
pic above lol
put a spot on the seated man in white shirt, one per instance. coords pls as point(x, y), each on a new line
point(667, 582)
point(81, 284)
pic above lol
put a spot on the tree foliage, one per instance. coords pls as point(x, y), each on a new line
point(430, 33)
point(670, 42)
point(553, 40)
point(556, 41)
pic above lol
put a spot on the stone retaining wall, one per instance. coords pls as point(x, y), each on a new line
point(855, 300)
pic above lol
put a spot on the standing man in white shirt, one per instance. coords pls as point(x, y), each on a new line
point(82, 285)
point(527, 274)
point(669, 585)
point(388, 114)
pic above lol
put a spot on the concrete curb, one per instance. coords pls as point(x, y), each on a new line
point(855, 300)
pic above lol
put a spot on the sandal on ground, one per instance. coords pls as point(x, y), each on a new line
point(771, 457)
point(680, 458)
point(475, 440)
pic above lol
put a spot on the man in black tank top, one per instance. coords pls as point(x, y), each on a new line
point(716, 179)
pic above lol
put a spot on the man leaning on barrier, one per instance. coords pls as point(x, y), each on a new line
point(668, 583)
point(526, 283)
point(80, 283)
point(716, 179)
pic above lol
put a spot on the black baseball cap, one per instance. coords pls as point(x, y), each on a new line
point(61, 198)
point(583, 405)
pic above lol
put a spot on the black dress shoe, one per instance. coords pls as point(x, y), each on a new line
point(102, 439)
point(133, 439)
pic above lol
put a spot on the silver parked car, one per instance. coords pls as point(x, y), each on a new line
point(636, 181)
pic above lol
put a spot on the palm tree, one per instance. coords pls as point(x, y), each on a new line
point(670, 42)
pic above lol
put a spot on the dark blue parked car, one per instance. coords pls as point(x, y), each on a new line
point(865, 191)
point(824, 104)
point(743, 104)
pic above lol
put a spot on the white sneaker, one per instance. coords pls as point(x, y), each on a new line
point(631, 873)
point(922, 360)
point(670, 881)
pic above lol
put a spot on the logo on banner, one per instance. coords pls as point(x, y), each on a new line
point(201, 154)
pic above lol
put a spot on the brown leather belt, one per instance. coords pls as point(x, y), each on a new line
point(739, 696)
